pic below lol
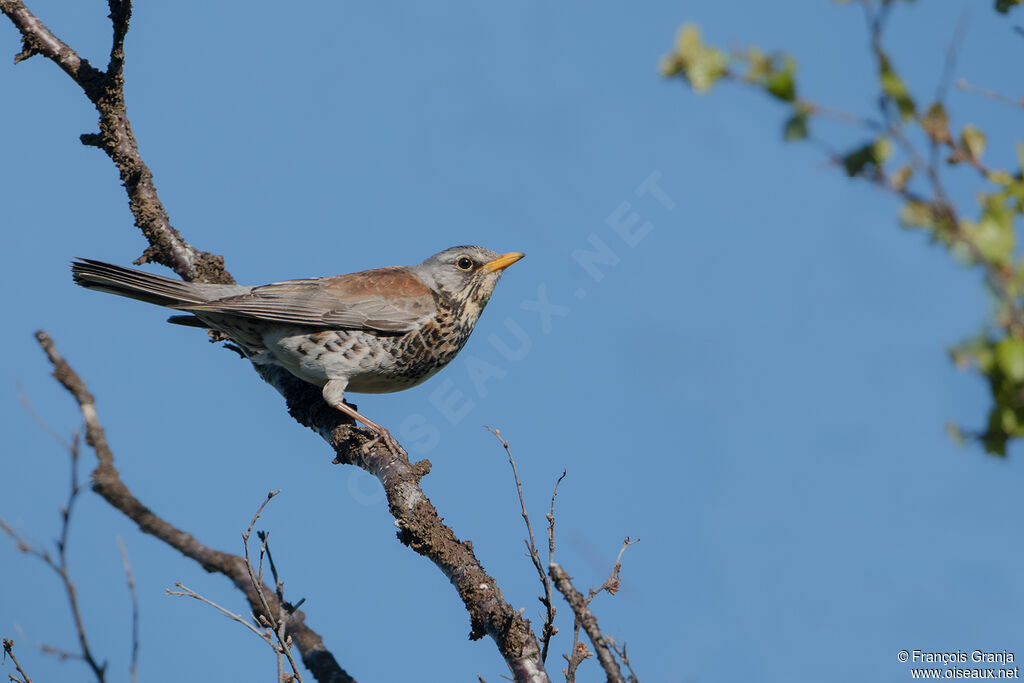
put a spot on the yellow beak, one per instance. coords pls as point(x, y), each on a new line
point(502, 262)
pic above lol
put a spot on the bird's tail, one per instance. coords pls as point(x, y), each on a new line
point(137, 284)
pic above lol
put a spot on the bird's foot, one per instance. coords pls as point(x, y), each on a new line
point(384, 436)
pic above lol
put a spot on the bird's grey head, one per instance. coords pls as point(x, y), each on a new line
point(465, 273)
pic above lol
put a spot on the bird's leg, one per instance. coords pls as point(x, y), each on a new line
point(334, 394)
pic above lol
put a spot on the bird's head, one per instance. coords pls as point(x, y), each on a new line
point(465, 274)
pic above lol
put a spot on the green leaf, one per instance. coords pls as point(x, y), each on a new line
point(896, 90)
point(979, 351)
point(915, 214)
point(700, 64)
point(1000, 177)
point(688, 41)
point(993, 234)
point(795, 128)
point(780, 83)
point(866, 159)
point(707, 69)
point(1010, 357)
point(1008, 420)
point(973, 141)
point(1005, 6)
point(882, 150)
point(1020, 156)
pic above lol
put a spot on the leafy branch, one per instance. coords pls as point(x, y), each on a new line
point(910, 150)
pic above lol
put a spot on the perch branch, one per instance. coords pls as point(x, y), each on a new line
point(420, 525)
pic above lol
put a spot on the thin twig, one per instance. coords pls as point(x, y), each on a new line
point(548, 630)
point(62, 546)
point(38, 419)
point(60, 564)
point(588, 621)
point(624, 658)
point(257, 582)
point(952, 54)
point(62, 655)
point(578, 650)
point(551, 521)
point(9, 652)
point(962, 84)
point(106, 481)
point(130, 578)
point(187, 592)
point(276, 623)
point(613, 582)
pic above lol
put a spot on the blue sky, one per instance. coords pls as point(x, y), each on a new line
point(756, 389)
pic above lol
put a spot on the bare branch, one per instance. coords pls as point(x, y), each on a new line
point(952, 54)
point(421, 527)
point(187, 592)
point(106, 481)
point(130, 577)
point(60, 564)
point(612, 583)
point(990, 94)
point(62, 655)
point(38, 419)
point(587, 619)
point(275, 622)
point(624, 658)
point(579, 651)
point(551, 520)
point(9, 652)
point(548, 629)
point(106, 92)
point(272, 624)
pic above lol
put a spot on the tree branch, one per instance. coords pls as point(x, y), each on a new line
point(60, 567)
point(548, 629)
point(589, 622)
point(421, 527)
point(130, 578)
point(105, 89)
point(106, 481)
point(9, 652)
point(585, 618)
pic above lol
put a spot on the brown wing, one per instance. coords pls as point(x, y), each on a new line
point(385, 299)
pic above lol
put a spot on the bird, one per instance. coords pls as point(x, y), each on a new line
point(373, 331)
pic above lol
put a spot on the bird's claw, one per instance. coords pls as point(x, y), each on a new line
point(389, 442)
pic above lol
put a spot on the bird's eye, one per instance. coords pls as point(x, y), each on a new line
point(464, 263)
